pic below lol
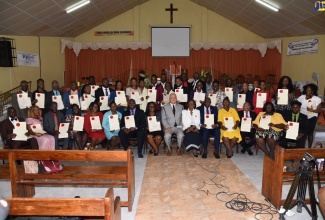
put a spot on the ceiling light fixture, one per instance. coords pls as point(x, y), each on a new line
point(267, 5)
point(77, 5)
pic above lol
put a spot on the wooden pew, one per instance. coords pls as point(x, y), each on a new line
point(4, 168)
point(274, 177)
point(106, 207)
point(97, 168)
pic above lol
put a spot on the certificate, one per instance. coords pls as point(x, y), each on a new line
point(260, 100)
point(20, 130)
point(83, 105)
point(63, 130)
point(129, 121)
point(310, 103)
point(40, 97)
point(104, 105)
point(74, 99)
point(165, 98)
point(282, 97)
point(209, 120)
point(265, 121)
point(114, 123)
point(58, 100)
point(95, 123)
point(152, 93)
point(181, 97)
point(241, 100)
point(37, 128)
point(120, 98)
point(93, 88)
point(229, 123)
point(213, 98)
point(198, 96)
point(153, 124)
point(136, 97)
point(246, 124)
point(23, 100)
point(88, 99)
point(230, 93)
point(292, 132)
point(78, 123)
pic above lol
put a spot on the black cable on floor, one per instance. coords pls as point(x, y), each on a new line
point(240, 202)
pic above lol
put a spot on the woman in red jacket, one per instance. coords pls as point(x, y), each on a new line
point(259, 92)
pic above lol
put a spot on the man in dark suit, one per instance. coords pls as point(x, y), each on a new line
point(135, 132)
point(91, 82)
point(179, 85)
point(48, 97)
point(160, 90)
point(248, 138)
point(205, 110)
point(51, 123)
point(192, 85)
point(296, 116)
point(6, 130)
point(40, 89)
point(22, 113)
point(103, 91)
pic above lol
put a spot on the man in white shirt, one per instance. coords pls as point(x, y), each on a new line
point(171, 115)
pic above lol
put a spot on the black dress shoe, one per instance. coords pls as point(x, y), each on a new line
point(140, 156)
point(216, 155)
point(243, 151)
point(249, 151)
point(204, 155)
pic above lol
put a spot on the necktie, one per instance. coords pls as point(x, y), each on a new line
point(56, 127)
point(247, 115)
point(174, 110)
point(294, 118)
point(208, 112)
point(106, 93)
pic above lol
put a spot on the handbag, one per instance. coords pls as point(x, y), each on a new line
point(31, 166)
point(49, 166)
point(321, 119)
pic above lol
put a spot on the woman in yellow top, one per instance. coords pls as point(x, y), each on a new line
point(272, 134)
point(231, 135)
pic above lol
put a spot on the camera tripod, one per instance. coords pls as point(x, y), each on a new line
point(303, 177)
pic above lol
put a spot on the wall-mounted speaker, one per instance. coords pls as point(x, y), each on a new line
point(5, 54)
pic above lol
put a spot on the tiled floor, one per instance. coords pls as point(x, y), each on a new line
point(176, 188)
point(169, 188)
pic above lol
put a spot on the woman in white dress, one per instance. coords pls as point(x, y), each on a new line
point(311, 106)
point(191, 127)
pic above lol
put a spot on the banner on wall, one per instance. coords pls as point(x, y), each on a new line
point(27, 59)
point(303, 47)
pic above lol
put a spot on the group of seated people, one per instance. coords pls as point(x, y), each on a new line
point(189, 112)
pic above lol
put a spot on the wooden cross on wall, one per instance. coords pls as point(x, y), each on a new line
point(171, 10)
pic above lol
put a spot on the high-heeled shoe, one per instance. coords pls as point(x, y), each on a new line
point(156, 153)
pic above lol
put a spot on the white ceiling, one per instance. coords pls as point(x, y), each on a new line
point(48, 17)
